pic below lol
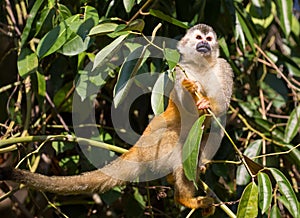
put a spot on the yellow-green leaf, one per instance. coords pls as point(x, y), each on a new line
point(264, 192)
point(293, 125)
point(27, 62)
point(248, 206)
point(190, 150)
point(287, 192)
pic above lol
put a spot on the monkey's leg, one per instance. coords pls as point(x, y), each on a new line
point(185, 193)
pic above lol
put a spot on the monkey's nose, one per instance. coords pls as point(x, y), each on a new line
point(203, 47)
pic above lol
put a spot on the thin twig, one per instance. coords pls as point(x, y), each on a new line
point(292, 86)
point(147, 3)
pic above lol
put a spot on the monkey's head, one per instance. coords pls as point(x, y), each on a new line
point(199, 42)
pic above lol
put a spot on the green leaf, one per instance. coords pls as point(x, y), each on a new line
point(90, 82)
point(34, 11)
point(161, 88)
point(190, 150)
point(44, 23)
point(91, 13)
point(64, 11)
point(27, 62)
point(41, 84)
point(275, 212)
point(107, 51)
point(161, 15)
point(74, 46)
point(138, 197)
point(245, 30)
point(287, 191)
point(224, 47)
point(272, 92)
point(294, 153)
point(252, 150)
point(239, 33)
point(248, 206)
point(59, 98)
point(128, 70)
point(128, 4)
point(137, 25)
point(285, 9)
point(56, 38)
point(172, 56)
point(103, 29)
point(264, 192)
point(293, 125)
point(262, 12)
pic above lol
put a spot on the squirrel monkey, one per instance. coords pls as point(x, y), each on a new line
point(160, 146)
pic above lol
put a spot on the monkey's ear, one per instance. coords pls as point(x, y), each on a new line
point(6, 173)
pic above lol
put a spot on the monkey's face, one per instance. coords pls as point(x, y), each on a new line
point(199, 41)
point(204, 42)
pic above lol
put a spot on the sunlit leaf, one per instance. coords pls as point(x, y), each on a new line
point(285, 9)
point(34, 11)
point(128, 70)
point(56, 38)
point(293, 125)
point(190, 150)
point(245, 29)
point(248, 206)
point(103, 29)
point(27, 62)
point(275, 212)
point(172, 56)
point(262, 12)
point(74, 45)
point(161, 89)
point(44, 23)
point(264, 191)
point(224, 47)
point(287, 191)
point(107, 51)
point(128, 4)
point(91, 13)
point(64, 11)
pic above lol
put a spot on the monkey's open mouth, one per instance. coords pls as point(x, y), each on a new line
point(203, 47)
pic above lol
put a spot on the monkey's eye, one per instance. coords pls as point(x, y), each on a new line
point(209, 38)
point(198, 37)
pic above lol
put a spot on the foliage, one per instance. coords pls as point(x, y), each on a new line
point(66, 50)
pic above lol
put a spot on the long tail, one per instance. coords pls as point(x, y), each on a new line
point(152, 151)
point(95, 181)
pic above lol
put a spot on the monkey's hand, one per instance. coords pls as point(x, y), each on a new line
point(202, 102)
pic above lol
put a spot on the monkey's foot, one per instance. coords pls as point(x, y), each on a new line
point(204, 201)
point(208, 211)
point(208, 208)
point(196, 202)
point(189, 85)
point(203, 103)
